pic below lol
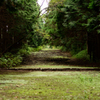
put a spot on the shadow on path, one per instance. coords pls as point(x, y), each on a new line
point(56, 57)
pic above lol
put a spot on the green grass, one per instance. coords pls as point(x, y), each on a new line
point(82, 55)
point(57, 57)
point(50, 66)
point(21, 85)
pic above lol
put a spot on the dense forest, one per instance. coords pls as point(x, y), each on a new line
point(72, 25)
point(20, 27)
point(75, 25)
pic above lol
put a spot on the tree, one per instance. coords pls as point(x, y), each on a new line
point(60, 22)
point(20, 17)
point(90, 13)
point(76, 23)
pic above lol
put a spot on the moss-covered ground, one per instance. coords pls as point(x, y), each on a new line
point(24, 85)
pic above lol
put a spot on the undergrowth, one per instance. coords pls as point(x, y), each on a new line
point(82, 55)
point(9, 59)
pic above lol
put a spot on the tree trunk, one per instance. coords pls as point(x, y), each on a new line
point(93, 43)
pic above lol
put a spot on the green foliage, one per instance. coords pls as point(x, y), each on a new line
point(26, 50)
point(82, 55)
point(25, 28)
point(63, 27)
point(37, 49)
point(24, 24)
point(23, 52)
point(29, 19)
point(10, 60)
point(63, 48)
point(69, 22)
point(35, 40)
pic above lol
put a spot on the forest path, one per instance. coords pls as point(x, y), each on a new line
point(47, 57)
point(54, 60)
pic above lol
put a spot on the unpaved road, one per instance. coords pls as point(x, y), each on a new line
point(55, 57)
point(50, 57)
point(55, 60)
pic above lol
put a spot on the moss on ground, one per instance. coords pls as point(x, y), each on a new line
point(19, 85)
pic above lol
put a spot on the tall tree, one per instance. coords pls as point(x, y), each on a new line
point(18, 19)
point(77, 23)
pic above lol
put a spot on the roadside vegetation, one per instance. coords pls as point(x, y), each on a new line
point(20, 31)
point(9, 60)
point(82, 55)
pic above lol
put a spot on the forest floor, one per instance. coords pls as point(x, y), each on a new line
point(47, 75)
point(54, 59)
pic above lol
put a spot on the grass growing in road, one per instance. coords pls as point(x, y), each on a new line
point(51, 66)
point(21, 85)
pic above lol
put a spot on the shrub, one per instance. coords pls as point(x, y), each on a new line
point(23, 52)
point(82, 55)
point(37, 49)
point(62, 48)
point(10, 60)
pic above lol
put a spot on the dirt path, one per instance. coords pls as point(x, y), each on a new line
point(49, 57)
point(55, 60)
point(56, 57)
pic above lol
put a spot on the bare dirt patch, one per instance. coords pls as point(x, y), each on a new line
point(50, 57)
point(56, 57)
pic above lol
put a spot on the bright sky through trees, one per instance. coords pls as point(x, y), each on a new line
point(43, 4)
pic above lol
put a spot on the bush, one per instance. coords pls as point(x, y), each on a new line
point(82, 55)
point(63, 48)
point(38, 48)
point(25, 50)
point(10, 60)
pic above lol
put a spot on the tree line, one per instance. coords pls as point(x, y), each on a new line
point(74, 25)
point(19, 24)
point(20, 30)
